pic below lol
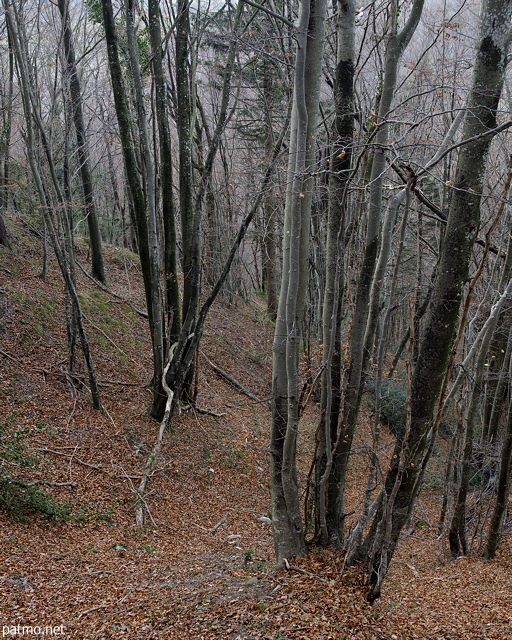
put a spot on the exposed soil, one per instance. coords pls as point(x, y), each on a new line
point(203, 568)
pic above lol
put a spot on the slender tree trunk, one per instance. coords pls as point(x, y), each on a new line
point(98, 270)
point(157, 324)
point(191, 320)
point(190, 218)
point(138, 200)
point(269, 276)
point(362, 335)
point(166, 174)
point(326, 491)
point(5, 145)
point(413, 451)
point(32, 117)
point(503, 488)
point(286, 517)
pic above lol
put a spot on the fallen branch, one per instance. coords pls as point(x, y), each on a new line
point(205, 412)
point(219, 524)
point(143, 314)
point(73, 459)
point(292, 567)
point(32, 483)
point(100, 606)
point(230, 379)
point(215, 527)
point(6, 355)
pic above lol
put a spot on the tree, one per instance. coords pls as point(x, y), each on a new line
point(364, 321)
point(286, 517)
point(414, 448)
point(143, 204)
point(82, 148)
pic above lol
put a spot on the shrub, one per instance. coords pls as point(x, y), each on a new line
point(22, 500)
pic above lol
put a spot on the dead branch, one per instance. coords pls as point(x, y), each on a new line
point(73, 459)
point(292, 567)
point(230, 379)
point(6, 355)
point(143, 314)
point(33, 483)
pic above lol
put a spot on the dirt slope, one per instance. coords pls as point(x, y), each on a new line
point(204, 568)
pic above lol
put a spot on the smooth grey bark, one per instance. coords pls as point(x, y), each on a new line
point(157, 319)
point(138, 200)
point(358, 349)
point(340, 164)
point(97, 267)
point(287, 523)
point(412, 452)
point(166, 175)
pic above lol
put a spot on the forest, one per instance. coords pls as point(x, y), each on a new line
point(255, 308)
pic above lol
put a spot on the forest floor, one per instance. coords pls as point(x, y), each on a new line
point(203, 567)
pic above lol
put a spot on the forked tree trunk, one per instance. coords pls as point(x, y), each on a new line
point(138, 200)
point(340, 163)
point(165, 174)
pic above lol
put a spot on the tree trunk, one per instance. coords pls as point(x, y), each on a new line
point(362, 334)
point(340, 163)
point(98, 270)
point(286, 517)
point(151, 283)
point(503, 488)
point(412, 452)
point(164, 139)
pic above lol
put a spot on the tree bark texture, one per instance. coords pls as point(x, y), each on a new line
point(412, 452)
point(286, 516)
point(364, 322)
point(97, 267)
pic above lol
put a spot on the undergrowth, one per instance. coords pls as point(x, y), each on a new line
point(20, 498)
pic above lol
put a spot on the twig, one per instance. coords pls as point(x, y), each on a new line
point(10, 357)
point(85, 464)
point(219, 524)
point(205, 412)
point(95, 326)
point(100, 606)
point(292, 567)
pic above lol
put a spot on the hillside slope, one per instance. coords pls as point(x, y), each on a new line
point(204, 568)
